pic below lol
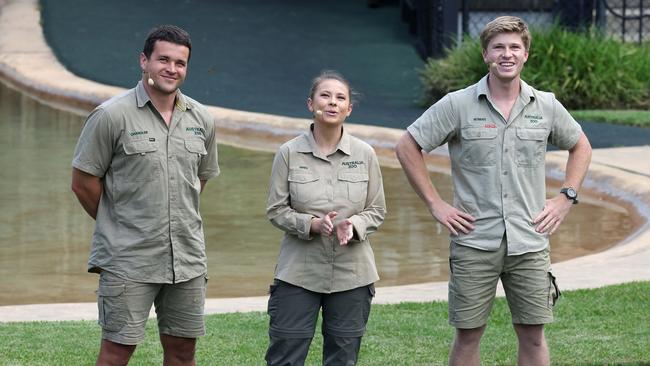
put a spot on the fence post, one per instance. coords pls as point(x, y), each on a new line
point(576, 14)
point(601, 16)
point(437, 26)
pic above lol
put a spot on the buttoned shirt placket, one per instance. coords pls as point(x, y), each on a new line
point(329, 241)
point(505, 163)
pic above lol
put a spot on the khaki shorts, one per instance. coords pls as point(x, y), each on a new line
point(530, 287)
point(124, 308)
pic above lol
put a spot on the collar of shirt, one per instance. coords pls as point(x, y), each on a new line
point(141, 98)
point(525, 93)
point(307, 144)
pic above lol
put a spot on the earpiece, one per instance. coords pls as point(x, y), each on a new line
point(150, 81)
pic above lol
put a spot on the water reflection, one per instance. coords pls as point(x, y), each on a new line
point(45, 235)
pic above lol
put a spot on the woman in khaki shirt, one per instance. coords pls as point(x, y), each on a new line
point(327, 195)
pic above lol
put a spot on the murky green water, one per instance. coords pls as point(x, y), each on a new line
point(45, 234)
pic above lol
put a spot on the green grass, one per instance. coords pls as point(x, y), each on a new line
point(638, 118)
point(607, 326)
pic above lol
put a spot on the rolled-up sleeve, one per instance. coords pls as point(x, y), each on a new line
point(278, 205)
point(94, 150)
point(565, 131)
point(436, 126)
point(367, 221)
point(209, 166)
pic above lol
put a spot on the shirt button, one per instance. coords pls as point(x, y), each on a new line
point(505, 173)
point(506, 150)
point(505, 195)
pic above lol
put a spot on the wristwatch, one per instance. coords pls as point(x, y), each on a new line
point(570, 194)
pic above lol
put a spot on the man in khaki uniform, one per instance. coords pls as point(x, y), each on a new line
point(141, 162)
point(500, 220)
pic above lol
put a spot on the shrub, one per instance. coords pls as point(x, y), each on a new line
point(584, 70)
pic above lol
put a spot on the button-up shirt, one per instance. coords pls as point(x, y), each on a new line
point(306, 184)
point(497, 165)
point(148, 225)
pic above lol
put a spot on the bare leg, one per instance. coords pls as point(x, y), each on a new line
point(465, 351)
point(533, 349)
point(114, 354)
point(178, 351)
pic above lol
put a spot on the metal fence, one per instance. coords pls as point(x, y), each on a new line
point(440, 24)
point(627, 20)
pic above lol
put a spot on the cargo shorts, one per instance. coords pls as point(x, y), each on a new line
point(124, 308)
point(530, 287)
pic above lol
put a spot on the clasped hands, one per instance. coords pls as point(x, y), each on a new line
point(325, 226)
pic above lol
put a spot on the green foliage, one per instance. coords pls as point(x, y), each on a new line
point(606, 326)
point(584, 70)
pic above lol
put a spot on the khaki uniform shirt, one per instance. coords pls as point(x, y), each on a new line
point(497, 166)
point(148, 225)
point(306, 184)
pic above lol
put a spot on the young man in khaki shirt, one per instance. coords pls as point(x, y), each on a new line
point(500, 221)
point(142, 159)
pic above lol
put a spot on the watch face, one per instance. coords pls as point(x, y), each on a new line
point(571, 193)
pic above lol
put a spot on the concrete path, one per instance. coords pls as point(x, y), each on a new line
point(27, 64)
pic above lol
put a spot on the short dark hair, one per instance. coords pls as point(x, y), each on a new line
point(169, 33)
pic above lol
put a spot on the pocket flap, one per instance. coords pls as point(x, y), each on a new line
point(110, 290)
point(479, 133)
point(139, 147)
point(302, 177)
point(353, 177)
point(536, 134)
point(196, 146)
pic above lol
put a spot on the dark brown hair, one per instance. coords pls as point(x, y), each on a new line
point(333, 75)
point(169, 33)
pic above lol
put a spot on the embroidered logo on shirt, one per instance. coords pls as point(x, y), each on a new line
point(479, 119)
point(195, 130)
point(490, 125)
point(533, 118)
point(135, 133)
point(352, 164)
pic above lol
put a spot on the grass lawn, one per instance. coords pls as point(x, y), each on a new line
point(637, 118)
point(607, 326)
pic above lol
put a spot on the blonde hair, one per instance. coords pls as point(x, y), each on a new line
point(506, 24)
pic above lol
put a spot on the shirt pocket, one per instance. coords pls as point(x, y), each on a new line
point(196, 147)
point(530, 146)
point(356, 185)
point(303, 187)
point(479, 146)
point(194, 151)
point(140, 162)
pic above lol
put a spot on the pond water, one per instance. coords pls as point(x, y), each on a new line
point(45, 234)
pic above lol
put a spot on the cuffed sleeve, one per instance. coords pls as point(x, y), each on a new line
point(367, 221)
